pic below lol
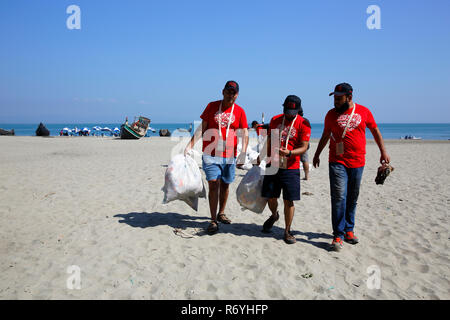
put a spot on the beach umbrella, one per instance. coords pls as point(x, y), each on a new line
point(106, 129)
point(85, 131)
point(116, 132)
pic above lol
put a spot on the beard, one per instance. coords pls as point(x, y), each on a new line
point(228, 101)
point(289, 117)
point(342, 108)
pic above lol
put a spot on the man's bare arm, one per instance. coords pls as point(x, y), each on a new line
point(322, 143)
point(244, 135)
point(380, 142)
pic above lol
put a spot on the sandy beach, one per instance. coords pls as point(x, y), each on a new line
point(96, 203)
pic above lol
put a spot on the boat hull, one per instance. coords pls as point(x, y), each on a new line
point(6, 132)
point(127, 133)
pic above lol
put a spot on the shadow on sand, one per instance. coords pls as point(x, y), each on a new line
point(183, 221)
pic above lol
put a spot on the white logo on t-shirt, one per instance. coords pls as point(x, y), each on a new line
point(354, 123)
point(224, 118)
point(285, 131)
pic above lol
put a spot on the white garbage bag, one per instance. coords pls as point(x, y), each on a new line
point(183, 181)
point(252, 154)
point(248, 193)
point(250, 157)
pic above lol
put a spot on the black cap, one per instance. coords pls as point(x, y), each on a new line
point(342, 89)
point(231, 85)
point(292, 105)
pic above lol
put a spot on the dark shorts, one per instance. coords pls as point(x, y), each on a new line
point(286, 179)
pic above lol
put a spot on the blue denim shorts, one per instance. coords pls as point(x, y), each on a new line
point(219, 168)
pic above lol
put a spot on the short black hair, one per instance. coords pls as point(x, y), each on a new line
point(254, 122)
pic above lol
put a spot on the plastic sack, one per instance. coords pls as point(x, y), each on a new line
point(248, 193)
point(250, 157)
point(183, 181)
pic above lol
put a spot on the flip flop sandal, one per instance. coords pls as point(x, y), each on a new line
point(269, 223)
point(213, 227)
point(383, 172)
point(289, 238)
point(223, 218)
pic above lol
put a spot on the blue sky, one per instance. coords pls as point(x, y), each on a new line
point(168, 59)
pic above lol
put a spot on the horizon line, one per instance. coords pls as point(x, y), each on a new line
point(81, 122)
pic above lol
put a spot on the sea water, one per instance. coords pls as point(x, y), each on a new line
point(426, 131)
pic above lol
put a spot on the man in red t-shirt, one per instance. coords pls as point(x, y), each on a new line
point(346, 125)
point(220, 122)
point(288, 138)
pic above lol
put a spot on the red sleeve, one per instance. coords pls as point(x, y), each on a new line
point(243, 120)
point(370, 121)
point(206, 113)
point(305, 131)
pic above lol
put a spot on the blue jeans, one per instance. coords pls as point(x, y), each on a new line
point(344, 189)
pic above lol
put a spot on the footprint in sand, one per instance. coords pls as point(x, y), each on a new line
point(299, 262)
point(422, 268)
point(211, 288)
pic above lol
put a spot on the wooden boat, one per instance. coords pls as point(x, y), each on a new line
point(136, 130)
point(4, 132)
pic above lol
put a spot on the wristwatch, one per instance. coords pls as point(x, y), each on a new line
point(290, 153)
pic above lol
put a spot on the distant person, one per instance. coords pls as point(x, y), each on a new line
point(261, 132)
point(259, 127)
point(294, 134)
point(220, 120)
point(346, 125)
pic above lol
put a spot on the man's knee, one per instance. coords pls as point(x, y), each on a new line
point(288, 203)
point(338, 190)
point(213, 185)
point(224, 185)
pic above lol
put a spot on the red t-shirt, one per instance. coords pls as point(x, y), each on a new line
point(258, 129)
point(211, 136)
point(354, 155)
point(301, 131)
point(261, 129)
